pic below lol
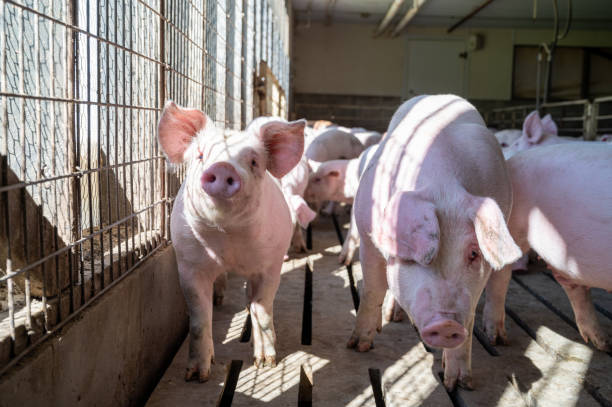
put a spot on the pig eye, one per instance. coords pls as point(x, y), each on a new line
point(317, 179)
point(200, 154)
point(254, 163)
point(473, 255)
point(504, 144)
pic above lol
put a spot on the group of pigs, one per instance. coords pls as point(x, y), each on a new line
point(439, 212)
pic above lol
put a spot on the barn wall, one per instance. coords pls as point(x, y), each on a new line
point(344, 59)
point(115, 352)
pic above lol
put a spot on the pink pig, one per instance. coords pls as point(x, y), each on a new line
point(549, 183)
point(431, 210)
point(293, 184)
point(337, 180)
point(229, 215)
point(536, 132)
point(333, 144)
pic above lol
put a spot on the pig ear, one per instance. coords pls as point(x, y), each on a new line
point(494, 240)
point(533, 128)
point(314, 165)
point(177, 129)
point(284, 142)
point(549, 126)
point(332, 173)
point(304, 214)
point(409, 228)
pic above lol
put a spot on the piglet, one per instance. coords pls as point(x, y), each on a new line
point(431, 212)
point(561, 210)
point(229, 215)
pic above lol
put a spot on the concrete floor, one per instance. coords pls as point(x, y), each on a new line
point(552, 368)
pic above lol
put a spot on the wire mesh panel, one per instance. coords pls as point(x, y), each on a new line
point(84, 192)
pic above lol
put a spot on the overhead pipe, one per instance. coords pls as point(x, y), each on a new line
point(416, 6)
point(391, 12)
point(470, 15)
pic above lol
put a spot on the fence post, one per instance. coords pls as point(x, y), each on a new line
point(590, 120)
point(74, 187)
point(162, 101)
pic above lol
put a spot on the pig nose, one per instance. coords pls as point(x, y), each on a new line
point(444, 333)
point(221, 180)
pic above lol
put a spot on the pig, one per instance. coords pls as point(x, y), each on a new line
point(230, 200)
point(431, 213)
point(337, 180)
point(334, 144)
point(321, 124)
point(607, 138)
point(507, 137)
point(293, 185)
point(536, 132)
point(366, 137)
point(576, 247)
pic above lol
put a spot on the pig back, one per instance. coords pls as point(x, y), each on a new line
point(440, 143)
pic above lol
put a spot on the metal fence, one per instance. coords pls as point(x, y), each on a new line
point(84, 192)
point(574, 118)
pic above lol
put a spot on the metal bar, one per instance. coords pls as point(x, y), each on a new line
point(162, 100)
point(81, 240)
point(468, 16)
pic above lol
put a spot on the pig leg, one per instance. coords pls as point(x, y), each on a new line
point(263, 289)
point(198, 291)
point(297, 241)
point(457, 363)
point(369, 315)
point(586, 319)
point(350, 243)
point(219, 289)
point(392, 311)
point(494, 313)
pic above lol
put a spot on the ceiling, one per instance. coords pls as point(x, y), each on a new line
point(587, 14)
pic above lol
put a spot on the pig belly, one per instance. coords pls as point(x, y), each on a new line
point(579, 251)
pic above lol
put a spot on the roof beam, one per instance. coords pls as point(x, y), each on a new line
point(470, 15)
point(394, 7)
point(416, 6)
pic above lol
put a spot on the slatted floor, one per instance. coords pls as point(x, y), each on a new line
point(547, 363)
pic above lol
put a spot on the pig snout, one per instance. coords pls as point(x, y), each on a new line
point(443, 332)
point(221, 180)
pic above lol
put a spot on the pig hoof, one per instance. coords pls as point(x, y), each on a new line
point(600, 341)
point(360, 344)
point(270, 361)
point(193, 373)
point(286, 257)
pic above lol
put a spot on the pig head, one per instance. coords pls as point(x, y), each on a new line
point(439, 256)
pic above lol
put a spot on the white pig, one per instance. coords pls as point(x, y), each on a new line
point(293, 184)
point(337, 181)
point(366, 137)
point(507, 137)
point(334, 144)
point(562, 202)
point(229, 215)
point(430, 210)
point(536, 132)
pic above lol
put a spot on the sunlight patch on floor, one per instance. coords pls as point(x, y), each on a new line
point(266, 384)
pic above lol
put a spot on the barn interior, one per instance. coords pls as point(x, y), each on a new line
point(91, 309)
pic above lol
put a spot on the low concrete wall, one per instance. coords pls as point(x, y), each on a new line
point(115, 352)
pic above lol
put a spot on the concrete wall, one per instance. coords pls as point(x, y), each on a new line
point(345, 59)
point(115, 352)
